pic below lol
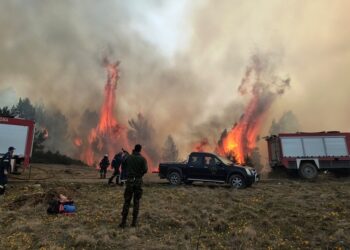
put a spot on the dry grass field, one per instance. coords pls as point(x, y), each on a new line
point(278, 214)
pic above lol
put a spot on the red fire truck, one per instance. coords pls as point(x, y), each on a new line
point(18, 133)
point(308, 153)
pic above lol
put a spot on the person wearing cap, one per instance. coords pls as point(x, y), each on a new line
point(136, 166)
point(104, 163)
point(5, 166)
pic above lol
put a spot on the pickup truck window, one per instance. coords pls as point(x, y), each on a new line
point(209, 161)
point(195, 161)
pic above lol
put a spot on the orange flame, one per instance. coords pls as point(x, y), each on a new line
point(262, 88)
point(78, 142)
point(108, 135)
point(241, 139)
point(201, 146)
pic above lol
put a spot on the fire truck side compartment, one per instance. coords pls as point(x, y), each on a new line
point(325, 150)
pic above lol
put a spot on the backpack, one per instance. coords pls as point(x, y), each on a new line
point(54, 207)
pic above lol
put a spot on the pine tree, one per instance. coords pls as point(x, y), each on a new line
point(5, 111)
point(170, 151)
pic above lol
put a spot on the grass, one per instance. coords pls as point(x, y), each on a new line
point(286, 214)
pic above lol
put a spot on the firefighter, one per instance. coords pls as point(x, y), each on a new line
point(104, 163)
point(5, 167)
point(136, 167)
point(116, 162)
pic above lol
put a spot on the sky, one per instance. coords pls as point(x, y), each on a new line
point(181, 61)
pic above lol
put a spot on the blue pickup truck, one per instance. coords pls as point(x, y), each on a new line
point(208, 167)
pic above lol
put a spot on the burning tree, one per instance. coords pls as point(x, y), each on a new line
point(261, 86)
point(108, 135)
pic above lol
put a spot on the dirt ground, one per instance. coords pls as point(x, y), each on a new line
point(274, 214)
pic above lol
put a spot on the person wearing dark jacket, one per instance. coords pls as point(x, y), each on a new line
point(5, 167)
point(124, 173)
point(104, 163)
point(136, 166)
point(116, 162)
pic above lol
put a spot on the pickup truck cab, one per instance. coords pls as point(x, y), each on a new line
point(208, 167)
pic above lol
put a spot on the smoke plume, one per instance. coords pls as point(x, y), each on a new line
point(51, 52)
point(288, 123)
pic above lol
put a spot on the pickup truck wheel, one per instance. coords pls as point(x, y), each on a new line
point(174, 178)
point(237, 181)
point(308, 171)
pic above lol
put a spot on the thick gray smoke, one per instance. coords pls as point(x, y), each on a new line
point(288, 123)
point(142, 132)
point(51, 52)
point(169, 150)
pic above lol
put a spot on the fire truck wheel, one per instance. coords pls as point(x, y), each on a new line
point(174, 178)
point(237, 181)
point(308, 171)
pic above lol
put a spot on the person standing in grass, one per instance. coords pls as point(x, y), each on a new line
point(116, 162)
point(124, 172)
point(136, 166)
point(104, 164)
point(5, 166)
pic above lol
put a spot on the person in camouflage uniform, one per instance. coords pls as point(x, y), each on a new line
point(136, 166)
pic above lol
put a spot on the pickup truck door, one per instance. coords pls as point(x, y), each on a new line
point(221, 170)
point(195, 168)
point(217, 170)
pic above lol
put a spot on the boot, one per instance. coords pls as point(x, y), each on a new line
point(117, 180)
point(123, 223)
point(134, 221)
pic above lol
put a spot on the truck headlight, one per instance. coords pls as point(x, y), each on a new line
point(249, 172)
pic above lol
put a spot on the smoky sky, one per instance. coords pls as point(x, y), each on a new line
point(51, 51)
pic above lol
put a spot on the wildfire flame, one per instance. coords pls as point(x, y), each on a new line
point(78, 142)
point(262, 88)
point(201, 146)
point(109, 135)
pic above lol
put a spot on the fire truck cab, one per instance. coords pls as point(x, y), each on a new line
point(18, 133)
point(309, 153)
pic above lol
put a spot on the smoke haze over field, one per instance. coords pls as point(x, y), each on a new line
point(181, 61)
